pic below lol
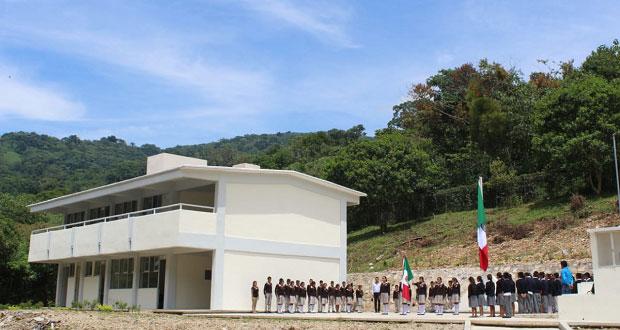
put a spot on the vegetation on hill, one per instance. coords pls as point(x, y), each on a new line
point(532, 139)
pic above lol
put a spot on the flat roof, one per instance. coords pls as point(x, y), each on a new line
point(174, 174)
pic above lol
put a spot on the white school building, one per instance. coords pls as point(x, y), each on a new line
point(191, 236)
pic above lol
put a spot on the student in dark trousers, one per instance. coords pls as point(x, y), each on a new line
point(472, 295)
point(522, 293)
point(499, 293)
point(556, 290)
point(547, 304)
point(537, 295)
point(396, 298)
point(530, 285)
point(268, 291)
point(376, 294)
point(490, 291)
point(509, 291)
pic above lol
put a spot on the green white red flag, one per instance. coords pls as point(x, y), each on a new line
point(483, 249)
point(407, 276)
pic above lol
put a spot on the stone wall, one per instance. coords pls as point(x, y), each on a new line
point(462, 274)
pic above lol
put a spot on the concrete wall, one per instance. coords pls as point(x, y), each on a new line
point(283, 213)
point(602, 306)
point(164, 161)
point(241, 268)
point(70, 290)
point(91, 288)
point(193, 291)
point(123, 295)
point(147, 298)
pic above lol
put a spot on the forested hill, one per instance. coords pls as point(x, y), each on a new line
point(47, 166)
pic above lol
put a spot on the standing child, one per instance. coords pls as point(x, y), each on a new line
point(254, 292)
point(385, 295)
point(472, 294)
point(349, 294)
point(440, 296)
point(338, 297)
point(280, 295)
point(456, 295)
point(405, 303)
point(509, 292)
point(311, 297)
point(267, 291)
point(431, 296)
point(499, 294)
point(449, 295)
point(301, 297)
point(324, 298)
point(546, 294)
point(332, 297)
point(522, 293)
point(481, 298)
point(556, 290)
point(490, 291)
point(396, 298)
point(421, 295)
point(359, 298)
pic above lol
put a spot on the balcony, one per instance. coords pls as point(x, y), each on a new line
point(139, 231)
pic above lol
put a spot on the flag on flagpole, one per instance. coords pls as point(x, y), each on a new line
point(407, 276)
point(483, 249)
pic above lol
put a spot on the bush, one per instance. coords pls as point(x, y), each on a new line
point(577, 202)
point(120, 305)
point(38, 305)
point(105, 308)
point(134, 308)
point(25, 305)
point(4, 306)
point(93, 304)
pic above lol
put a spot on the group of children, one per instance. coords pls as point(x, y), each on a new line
point(292, 296)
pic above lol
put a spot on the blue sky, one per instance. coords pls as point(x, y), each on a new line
point(190, 72)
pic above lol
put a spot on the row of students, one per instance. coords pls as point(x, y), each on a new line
point(292, 297)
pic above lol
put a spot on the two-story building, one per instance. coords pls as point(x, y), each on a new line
point(191, 236)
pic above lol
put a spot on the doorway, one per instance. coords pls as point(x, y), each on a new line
point(101, 282)
point(161, 284)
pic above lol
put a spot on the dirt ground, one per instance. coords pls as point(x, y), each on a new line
point(64, 319)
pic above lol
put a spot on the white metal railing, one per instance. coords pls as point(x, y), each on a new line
point(161, 209)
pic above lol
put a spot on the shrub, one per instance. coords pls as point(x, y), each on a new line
point(105, 308)
point(577, 202)
point(86, 303)
point(2, 306)
point(120, 305)
point(93, 304)
point(25, 305)
point(134, 308)
point(38, 305)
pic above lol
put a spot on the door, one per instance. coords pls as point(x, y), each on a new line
point(161, 284)
point(101, 283)
point(76, 291)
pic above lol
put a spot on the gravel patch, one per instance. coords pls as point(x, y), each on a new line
point(63, 319)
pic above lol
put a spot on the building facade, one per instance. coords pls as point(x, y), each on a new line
point(191, 236)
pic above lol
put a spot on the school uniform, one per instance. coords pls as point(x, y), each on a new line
point(431, 297)
point(385, 296)
point(359, 300)
point(324, 299)
point(537, 295)
point(281, 296)
point(338, 298)
point(343, 299)
point(509, 291)
point(396, 299)
point(482, 301)
point(555, 292)
point(267, 291)
point(301, 298)
point(311, 298)
point(421, 297)
point(522, 295)
point(499, 294)
point(254, 298)
point(530, 285)
point(546, 296)
point(440, 297)
point(455, 297)
point(319, 296)
point(472, 294)
point(490, 291)
point(331, 291)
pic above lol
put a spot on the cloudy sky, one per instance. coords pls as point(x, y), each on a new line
point(188, 72)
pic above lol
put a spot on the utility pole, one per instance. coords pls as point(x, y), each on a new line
point(616, 164)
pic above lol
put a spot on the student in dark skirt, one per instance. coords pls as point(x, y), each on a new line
point(456, 295)
point(481, 298)
point(472, 294)
point(490, 291)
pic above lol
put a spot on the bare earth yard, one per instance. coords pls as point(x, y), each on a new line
point(63, 319)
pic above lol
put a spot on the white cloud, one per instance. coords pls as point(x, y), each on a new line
point(30, 100)
point(318, 21)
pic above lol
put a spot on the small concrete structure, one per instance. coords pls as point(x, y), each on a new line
point(602, 306)
point(191, 236)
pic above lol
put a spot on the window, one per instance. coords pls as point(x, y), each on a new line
point(149, 272)
point(99, 212)
point(72, 270)
point(122, 274)
point(89, 269)
point(98, 267)
point(74, 217)
point(151, 202)
point(125, 207)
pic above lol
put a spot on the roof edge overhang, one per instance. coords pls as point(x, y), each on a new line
point(177, 173)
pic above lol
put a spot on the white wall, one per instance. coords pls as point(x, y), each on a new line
point(114, 236)
point(91, 288)
point(164, 161)
point(241, 268)
point(123, 295)
point(284, 213)
point(192, 290)
point(70, 289)
point(85, 245)
point(38, 247)
point(60, 244)
point(147, 298)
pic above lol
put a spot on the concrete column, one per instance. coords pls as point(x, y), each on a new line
point(81, 284)
point(217, 281)
point(343, 240)
point(59, 285)
point(136, 277)
point(171, 282)
point(107, 281)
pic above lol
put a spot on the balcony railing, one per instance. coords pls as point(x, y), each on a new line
point(179, 206)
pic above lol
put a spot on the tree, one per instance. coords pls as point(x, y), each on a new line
point(604, 62)
point(574, 126)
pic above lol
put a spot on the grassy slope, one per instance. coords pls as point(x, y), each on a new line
point(423, 238)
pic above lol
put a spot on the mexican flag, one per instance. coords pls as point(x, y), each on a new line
point(483, 249)
point(405, 282)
